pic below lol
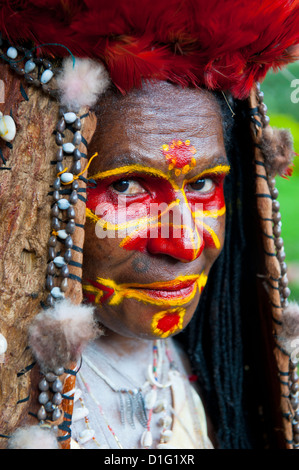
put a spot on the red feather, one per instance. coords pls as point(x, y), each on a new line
point(219, 45)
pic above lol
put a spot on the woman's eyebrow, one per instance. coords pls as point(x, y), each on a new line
point(124, 159)
point(217, 164)
point(130, 169)
point(217, 161)
point(215, 170)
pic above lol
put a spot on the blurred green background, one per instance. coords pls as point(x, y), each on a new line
point(281, 90)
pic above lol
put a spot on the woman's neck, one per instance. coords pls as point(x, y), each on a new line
point(125, 348)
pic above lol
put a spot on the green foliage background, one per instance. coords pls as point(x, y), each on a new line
point(284, 113)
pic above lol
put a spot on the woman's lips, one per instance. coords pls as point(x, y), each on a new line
point(176, 292)
point(172, 290)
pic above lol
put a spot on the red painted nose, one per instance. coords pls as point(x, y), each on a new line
point(174, 233)
point(182, 243)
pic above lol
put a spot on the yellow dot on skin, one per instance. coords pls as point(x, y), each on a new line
point(185, 169)
point(171, 166)
point(187, 142)
point(173, 162)
point(179, 143)
point(177, 172)
point(165, 147)
point(193, 162)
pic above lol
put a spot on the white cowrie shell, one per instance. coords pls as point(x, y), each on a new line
point(62, 234)
point(29, 66)
point(46, 76)
point(150, 399)
point(86, 435)
point(77, 395)
point(146, 439)
point(59, 261)
point(70, 117)
point(165, 421)
point(165, 446)
point(7, 128)
point(166, 435)
point(80, 413)
point(12, 52)
point(3, 344)
point(67, 177)
point(56, 292)
point(160, 406)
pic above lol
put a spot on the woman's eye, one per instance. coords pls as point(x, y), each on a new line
point(202, 185)
point(127, 187)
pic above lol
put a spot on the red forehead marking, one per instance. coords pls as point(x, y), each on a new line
point(179, 155)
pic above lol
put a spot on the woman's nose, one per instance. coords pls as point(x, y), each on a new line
point(178, 237)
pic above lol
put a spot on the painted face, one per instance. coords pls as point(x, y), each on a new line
point(155, 208)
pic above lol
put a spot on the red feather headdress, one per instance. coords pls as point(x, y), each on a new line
point(221, 45)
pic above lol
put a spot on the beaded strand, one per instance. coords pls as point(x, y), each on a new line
point(283, 281)
point(35, 70)
point(101, 411)
point(146, 439)
point(39, 72)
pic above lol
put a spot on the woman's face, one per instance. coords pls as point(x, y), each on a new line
point(155, 211)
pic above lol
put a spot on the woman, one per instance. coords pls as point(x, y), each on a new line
point(173, 232)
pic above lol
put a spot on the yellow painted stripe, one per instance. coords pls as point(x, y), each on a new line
point(140, 223)
point(214, 213)
point(130, 290)
point(129, 169)
point(213, 235)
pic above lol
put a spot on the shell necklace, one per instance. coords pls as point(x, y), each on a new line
point(139, 402)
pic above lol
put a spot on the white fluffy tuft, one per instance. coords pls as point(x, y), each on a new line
point(81, 84)
point(291, 320)
point(58, 335)
point(289, 336)
point(33, 437)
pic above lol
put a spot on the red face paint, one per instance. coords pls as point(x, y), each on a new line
point(213, 206)
point(99, 294)
point(181, 243)
point(157, 190)
point(145, 232)
point(168, 322)
point(212, 201)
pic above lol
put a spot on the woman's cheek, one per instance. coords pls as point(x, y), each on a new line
point(116, 208)
point(209, 216)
